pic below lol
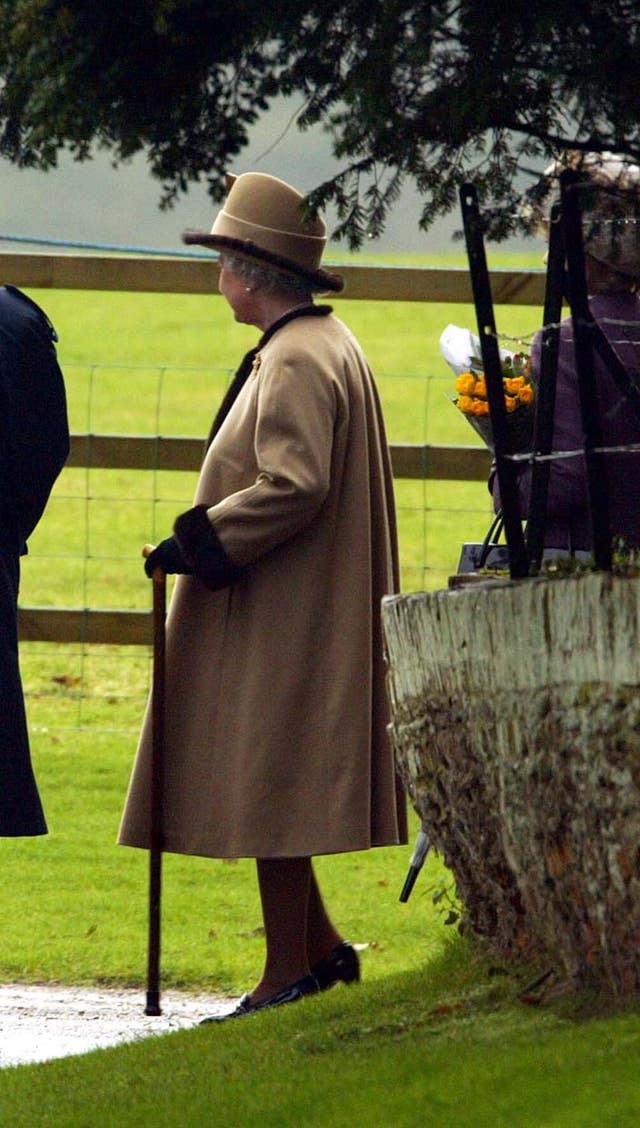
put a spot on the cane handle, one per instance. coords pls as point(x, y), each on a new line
point(158, 574)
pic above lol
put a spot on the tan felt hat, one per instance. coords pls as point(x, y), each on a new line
point(263, 218)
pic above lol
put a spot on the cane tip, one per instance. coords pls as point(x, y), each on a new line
point(147, 550)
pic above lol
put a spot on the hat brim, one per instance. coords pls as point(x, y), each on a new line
point(319, 280)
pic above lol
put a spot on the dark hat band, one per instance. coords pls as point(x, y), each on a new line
point(320, 280)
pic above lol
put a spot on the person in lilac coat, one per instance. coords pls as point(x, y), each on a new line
point(612, 262)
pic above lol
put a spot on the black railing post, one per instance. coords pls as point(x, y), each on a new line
point(546, 391)
point(505, 466)
point(583, 333)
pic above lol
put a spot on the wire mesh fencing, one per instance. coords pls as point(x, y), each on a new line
point(85, 555)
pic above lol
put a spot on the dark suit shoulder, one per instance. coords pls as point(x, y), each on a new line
point(18, 310)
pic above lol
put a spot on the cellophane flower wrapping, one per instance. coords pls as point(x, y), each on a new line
point(461, 350)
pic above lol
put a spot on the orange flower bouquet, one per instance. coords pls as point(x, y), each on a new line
point(461, 349)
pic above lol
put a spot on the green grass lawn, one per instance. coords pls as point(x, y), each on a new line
point(436, 1034)
point(86, 917)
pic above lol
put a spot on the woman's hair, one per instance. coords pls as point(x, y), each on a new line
point(609, 195)
point(266, 278)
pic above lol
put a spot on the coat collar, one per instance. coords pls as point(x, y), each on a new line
point(246, 364)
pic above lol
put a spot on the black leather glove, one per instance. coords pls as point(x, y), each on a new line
point(168, 556)
point(201, 548)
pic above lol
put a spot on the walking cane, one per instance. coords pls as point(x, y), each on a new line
point(157, 775)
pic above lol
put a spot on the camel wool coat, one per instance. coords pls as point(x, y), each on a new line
point(276, 709)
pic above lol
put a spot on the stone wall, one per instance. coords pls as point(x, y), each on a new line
point(516, 726)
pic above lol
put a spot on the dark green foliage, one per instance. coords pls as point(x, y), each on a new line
point(433, 93)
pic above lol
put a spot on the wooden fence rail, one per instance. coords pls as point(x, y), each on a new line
point(158, 274)
point(141, 452)
point(160, 452)
point(199, 276)
point(85, 625)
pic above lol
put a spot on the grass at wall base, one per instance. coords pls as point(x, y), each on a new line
point(446, 1044)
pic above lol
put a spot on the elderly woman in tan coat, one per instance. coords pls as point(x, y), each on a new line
point(276, 745)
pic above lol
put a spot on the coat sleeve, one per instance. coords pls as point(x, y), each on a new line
point(34, 434)
point(298, 403)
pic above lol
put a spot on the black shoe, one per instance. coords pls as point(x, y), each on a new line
point(308, 985)
point(342, 964)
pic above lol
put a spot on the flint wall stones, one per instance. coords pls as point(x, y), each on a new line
point(516, 727)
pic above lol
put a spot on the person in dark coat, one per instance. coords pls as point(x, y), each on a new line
point(610, 200)
point(34, 445)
